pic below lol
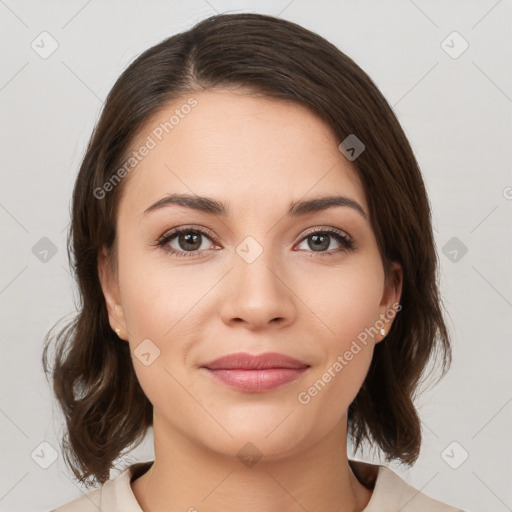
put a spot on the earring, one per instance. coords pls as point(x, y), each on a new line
point(118, 331)
point(383, 331)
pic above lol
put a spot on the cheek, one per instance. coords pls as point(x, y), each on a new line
point(161, 304)
point(346, 358)
point(345, 300)
point(157, 298)
point(156, 306)
point(346, 307)
point(329, 393)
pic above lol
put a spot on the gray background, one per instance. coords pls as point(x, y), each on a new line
point(455, 109)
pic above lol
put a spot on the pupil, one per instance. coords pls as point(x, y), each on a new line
point(190, 239)
point(319, 242)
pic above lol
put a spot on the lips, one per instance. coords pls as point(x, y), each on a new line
point(245, 361)
point(255, 373)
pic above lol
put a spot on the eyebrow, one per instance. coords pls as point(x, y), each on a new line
point(295, 209)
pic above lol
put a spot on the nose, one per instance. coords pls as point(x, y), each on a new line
point(258, 295)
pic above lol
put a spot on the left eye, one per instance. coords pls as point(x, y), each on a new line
point(190, 241)
point(320, 240)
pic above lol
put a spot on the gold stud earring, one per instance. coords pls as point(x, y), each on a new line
point(117, 330)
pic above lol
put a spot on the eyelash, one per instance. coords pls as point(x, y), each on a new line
point(346, 242)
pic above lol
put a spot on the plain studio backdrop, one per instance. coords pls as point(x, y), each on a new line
point(445, 69)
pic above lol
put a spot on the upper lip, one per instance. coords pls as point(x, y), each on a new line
point(245, 361)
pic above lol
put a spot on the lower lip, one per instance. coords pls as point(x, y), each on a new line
point(256, 380)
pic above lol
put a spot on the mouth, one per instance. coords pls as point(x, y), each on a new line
point(255, 373)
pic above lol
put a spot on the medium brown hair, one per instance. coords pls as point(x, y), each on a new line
point(105, 409)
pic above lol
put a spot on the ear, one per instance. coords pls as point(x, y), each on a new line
point(390, 299)
point(110, 288)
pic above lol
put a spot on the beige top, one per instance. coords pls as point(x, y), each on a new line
point(390, 492)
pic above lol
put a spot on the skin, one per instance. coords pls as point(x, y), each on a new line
point(256, 155)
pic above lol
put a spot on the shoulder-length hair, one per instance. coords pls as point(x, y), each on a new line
point(95, 384)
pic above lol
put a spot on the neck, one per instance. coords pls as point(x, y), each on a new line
point(185, 476)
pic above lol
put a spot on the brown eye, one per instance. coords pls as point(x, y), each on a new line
point(320, 241)
point(186, 242)
point(189, 241)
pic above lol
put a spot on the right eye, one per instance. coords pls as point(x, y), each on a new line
point(189, 239)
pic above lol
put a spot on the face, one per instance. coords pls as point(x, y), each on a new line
point(308, 284)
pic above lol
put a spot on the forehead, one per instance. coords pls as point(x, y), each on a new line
point(239, 148)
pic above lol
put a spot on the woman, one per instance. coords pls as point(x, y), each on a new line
point(252, 240)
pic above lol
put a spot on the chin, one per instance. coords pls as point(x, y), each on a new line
point(264, 437)
point(252, 449)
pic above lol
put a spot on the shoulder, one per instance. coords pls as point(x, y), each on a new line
point(392, 493)
point(87, 503)
point(115, 495)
